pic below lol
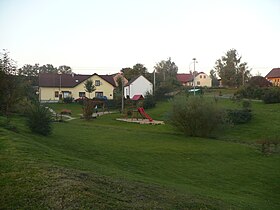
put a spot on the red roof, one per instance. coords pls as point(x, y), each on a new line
point(273, 73)
point(184, 78)
point(137, 97)
point(68, 80)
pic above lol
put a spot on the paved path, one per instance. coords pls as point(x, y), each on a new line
point(63, 115)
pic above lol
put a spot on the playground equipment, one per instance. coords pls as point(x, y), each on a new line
point(144, 114)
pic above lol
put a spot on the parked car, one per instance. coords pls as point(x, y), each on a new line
point(81, 99)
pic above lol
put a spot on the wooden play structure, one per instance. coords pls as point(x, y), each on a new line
point(134, 109)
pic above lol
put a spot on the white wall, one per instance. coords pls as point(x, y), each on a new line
point(138, 87)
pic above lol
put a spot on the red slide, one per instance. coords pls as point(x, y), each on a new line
point(144, 114)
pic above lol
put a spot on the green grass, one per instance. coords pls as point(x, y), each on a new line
point(107, 164)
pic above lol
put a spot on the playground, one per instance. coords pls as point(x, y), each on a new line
point(135, 113)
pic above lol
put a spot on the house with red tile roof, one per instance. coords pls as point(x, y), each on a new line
point(274, 77)
point(201, 79)
point(53, 86)
point(185, 79)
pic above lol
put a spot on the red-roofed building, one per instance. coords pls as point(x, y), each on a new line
point(53, 87)
point(201, 79)
point(274, 76)
point(185, 79)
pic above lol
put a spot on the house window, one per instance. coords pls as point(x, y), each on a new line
point(98, 94)
point(200, 76)
point(56, 94)
point(204, 77)
point(198, 83)
point(82, 94)
point(97, 82)
point(66, 94)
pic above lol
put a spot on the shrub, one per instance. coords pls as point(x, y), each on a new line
point(149, 102)
point(88, 109)
point(239, 116)
point(259, 81)
point(272, 95)
point(39, 119)
point(68, 100)
point(251, 92)
point(196, 116)
point(269, 144)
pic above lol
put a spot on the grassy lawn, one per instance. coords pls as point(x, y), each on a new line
point(107, 164)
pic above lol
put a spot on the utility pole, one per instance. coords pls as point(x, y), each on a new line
point(154, 82)
point(194, 61)
point(122, 95)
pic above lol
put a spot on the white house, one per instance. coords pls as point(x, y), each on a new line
point(138, 86)
point(203, 80)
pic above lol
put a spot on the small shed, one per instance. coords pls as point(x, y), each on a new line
point(137, 97)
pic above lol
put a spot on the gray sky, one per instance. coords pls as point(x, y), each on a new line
point(103, 36)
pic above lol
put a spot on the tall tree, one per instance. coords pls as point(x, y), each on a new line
point(166, 69)
point(65, 69)
point(11, 86)
point(137, 70)
point(213, 76)
point(89, 87)
point(48, 68)
point(30, 72)
point(232, 72)
point(166, 80)
point(127, 73)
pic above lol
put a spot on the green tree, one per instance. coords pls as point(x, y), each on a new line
point(89, 87)
point(65, 69)
point(213, 76)
point(166, 80)
point(232, 72)
point(137, 70)
point(166, 69)
point(30, 72)
point(11, 85)
point(48, 68)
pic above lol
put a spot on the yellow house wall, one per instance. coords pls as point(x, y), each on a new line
point(48, 93)
point(203, 81)
point(104, 87)
point(275, 81)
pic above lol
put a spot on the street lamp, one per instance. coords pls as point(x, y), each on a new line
point(60, 95)
point(122, 92)
point(194, 61)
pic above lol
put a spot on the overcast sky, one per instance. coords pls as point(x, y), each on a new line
point(103, 36)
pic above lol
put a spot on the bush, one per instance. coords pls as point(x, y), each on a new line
point(149, 102)
point(272, 95)
point(196, 117)
point(251, 92)
point(267, 94)
point(68, 100)
point(239, 116)
point(39, 119)
point(88, 109)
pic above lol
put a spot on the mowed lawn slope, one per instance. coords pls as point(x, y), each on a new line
point(106, 164)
